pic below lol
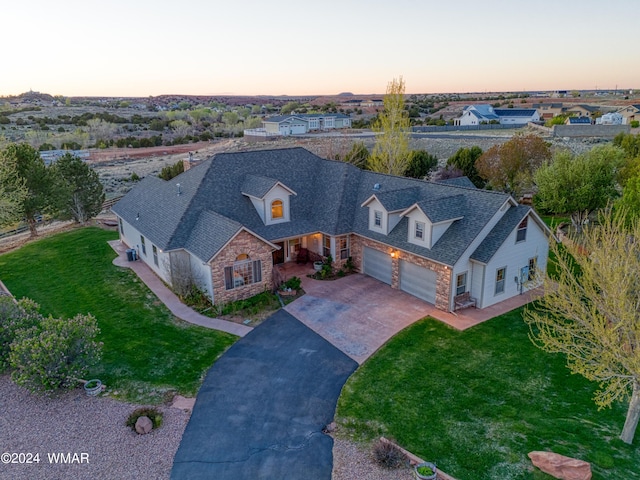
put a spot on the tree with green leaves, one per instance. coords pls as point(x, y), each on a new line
point(29, 172)
point(391, 151)
point(79, 193)
point(509, 167)
point(421, 163)
point(13, 193)
point(629, 203)
point(170, 171)
point(578, 185)
point(591, 312)
point(358, 155)
point(465, 160)
point(180, 128)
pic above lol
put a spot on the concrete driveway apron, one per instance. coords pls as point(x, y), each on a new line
point(262, 407)
point(358, 314)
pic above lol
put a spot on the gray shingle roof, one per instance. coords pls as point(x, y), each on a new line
point(257, 185)
point(154, 207)
point(395, 200)
point(211, 206)
point(444, 208)
point(458, 182)
point(211, 232)
point(490, 245)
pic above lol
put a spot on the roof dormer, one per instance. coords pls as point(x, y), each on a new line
point(270, 197)
point(385, 207)
point(428, 220)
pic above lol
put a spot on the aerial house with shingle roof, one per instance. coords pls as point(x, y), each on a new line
point(230, 219)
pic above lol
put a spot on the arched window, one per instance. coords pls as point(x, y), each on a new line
point(277, 210)
point(243, 272)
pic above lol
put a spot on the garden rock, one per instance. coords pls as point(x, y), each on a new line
point(144, 425)
point(559, 466)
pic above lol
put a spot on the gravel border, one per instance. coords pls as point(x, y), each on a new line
point(76, 423)
point(352, 462)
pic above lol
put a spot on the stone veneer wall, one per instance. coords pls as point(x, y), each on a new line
point(443, 279)
point(257, 250)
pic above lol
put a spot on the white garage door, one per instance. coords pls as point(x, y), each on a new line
point(298, 128)
point(377, 264)
point(418, 281)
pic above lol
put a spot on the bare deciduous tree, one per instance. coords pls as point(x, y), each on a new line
point(592, 313)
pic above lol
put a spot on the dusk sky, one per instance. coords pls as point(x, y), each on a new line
point(251, 47)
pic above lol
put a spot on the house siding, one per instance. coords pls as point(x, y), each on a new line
point(202, 276)
point(514, 256)
point(131, 238)
point(256, 249)
point(464, 264)
point(443, 273)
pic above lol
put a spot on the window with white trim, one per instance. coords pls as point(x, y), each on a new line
point(533, 265)
point(461, 283)
point(501, 274)
point(277, 210)
point(521, 234)
point(419, 233)
point(121, 226)
point(326, 245)
point(144, 247)
point(377, 218)
point(243, 272)
point(155, 255)
point(342, 246)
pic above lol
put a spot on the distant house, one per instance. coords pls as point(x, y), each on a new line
point(301, 124)
point(481, 114)
point(613, 118)
point(374, 102)
point(630, 113)
point(548, 110)
point(353, 103)
point(582, 110)
point(231, 220)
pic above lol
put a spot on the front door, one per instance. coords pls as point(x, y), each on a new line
point(278, 255)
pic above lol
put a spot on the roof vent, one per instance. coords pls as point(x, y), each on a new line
point(376, 187)
point(179, 188)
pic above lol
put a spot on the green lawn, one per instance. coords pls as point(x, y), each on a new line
point(147, 351)
point(477, 402)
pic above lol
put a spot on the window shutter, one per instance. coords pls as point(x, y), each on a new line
point(257, 271)
point(228, 277)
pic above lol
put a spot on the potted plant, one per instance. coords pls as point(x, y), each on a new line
point(426, 471)
point(317, 266)
point(93, 387)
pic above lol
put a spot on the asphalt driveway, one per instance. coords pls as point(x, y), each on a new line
point(260, 411)
point(358, 314)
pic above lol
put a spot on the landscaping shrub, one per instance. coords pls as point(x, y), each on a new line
point(14, 317)
point(388, 455)
point(55, 353)
point(196, 298)
point(294, 283)
point(153, 413)
point(635, 123)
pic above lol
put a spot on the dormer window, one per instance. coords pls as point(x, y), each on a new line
point(419, 231)
point(521, 234)
point(270, 197)
point(377, 218)
point(277, 211)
